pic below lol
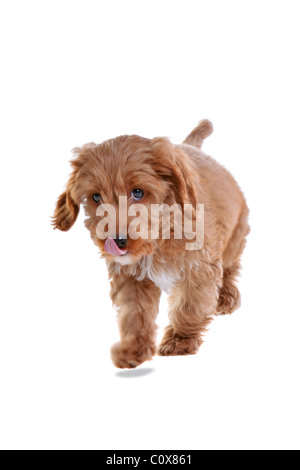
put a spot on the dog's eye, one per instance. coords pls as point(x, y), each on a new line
point(96, 198)
point(137, 194)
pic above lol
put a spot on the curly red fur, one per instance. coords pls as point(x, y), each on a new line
point(201, 283)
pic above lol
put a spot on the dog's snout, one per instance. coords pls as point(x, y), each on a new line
point(121, 242)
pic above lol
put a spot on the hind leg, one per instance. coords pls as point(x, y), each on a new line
point(229, 297)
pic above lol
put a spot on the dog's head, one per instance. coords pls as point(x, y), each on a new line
point(141, 171)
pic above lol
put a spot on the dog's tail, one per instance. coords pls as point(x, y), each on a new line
point(197, 136)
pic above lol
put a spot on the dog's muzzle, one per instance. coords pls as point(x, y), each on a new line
point(116, 246)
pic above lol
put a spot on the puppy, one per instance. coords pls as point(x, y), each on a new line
point(201, 281)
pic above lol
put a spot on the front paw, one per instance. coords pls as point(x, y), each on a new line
point(175, 345)
point(130, 353)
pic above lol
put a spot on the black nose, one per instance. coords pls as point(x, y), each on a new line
point(120, 242)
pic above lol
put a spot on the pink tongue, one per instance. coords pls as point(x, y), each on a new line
point(112, 248)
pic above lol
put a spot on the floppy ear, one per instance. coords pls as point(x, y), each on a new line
point(172, 165)
point(68, 203)
point(66, 212)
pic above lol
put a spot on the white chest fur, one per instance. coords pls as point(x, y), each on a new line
point(162, 277)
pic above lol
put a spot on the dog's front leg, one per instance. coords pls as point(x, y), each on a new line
point(193, 302)
point(137, 304)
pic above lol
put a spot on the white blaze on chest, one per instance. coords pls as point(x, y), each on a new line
point(162, 278)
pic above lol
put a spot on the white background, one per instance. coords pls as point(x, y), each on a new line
point(79, 71)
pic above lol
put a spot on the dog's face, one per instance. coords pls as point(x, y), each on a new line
point(144, 171)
